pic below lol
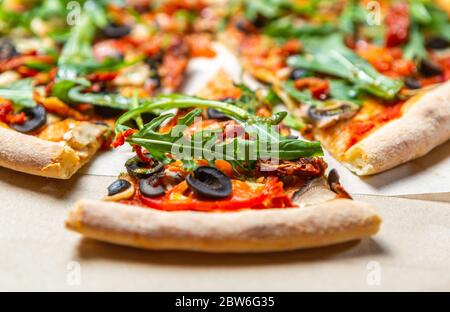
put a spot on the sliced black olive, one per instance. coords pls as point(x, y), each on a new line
point(118, 186)
point(298, 73)
point(36, 118)
point(243, 25)
point(149, 188)
point(437, 43)
point(106, 112)
point(7, 49)
point(215, 114)
point(429, 68)
point(209, 182)
point(113, 30)
point(139, 169)
point(412, 83)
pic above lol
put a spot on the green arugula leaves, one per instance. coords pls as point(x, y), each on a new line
point(330, 56)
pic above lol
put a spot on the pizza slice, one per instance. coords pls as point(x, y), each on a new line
point(375, 96)
point(216, 178)
point(62, 87)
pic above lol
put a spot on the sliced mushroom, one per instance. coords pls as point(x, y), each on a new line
point(119, 190)
point(36, 118)
point(332, 112)
point(314, 191)
point(209, 182)
point(335, 185)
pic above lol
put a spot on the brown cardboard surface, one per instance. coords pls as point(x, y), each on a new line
point(411, 252)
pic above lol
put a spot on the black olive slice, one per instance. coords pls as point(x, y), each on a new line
point(209, 182)
point(437, 43)
point(118, 186)
point(7, 49)
point(149, 188)
point(113, 30)
point(141, 170)
point(412, 83)
point(36, 118)
point(429, 68)
point(215, 114)
point(298, 73)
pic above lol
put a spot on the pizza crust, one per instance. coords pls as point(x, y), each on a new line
point(32, 155)
point(423, 127)
point(252, 230)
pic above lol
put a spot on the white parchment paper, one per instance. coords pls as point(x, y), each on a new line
point(427, 175)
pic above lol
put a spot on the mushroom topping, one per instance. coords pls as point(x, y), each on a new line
point(209, 182)
point(335, 185)
point(313, 191)
point(332, 112)
point(36, 118)
point(150, 188)
point(119, 190)
point(140, 169)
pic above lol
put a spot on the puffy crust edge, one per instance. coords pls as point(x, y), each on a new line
point(266, 230)
point(423, 127)
point(31, 155)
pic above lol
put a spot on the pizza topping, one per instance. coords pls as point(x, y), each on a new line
point(335, 185)
point(437, 43)
point(113, 30)
point(397, 24)
point(120, 189)
point(305, 167)
point(118, 186)
point(215, 114)
point(138, 168)
point(36, 117)
point(429, 68)
point(245, 195)
point(412, 83)
point(7, 49)
point(150, 187)
point(209, 182)
point(334, 111)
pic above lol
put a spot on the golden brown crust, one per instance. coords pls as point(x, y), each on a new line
point(445, 5)
point(265, 230)
point(32, 155)
point(423, 127)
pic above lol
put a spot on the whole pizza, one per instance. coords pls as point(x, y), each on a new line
point(231, 168)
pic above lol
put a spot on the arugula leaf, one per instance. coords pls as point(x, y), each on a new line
point(301, 96)
point(415, 48)
point(286, 27)
point(239, 152)
point(19, 92)
point(329, 55)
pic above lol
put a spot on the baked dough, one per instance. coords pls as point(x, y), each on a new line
point(322, 219)
point(252, 230)
point(425, 125)
point(32, 155)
